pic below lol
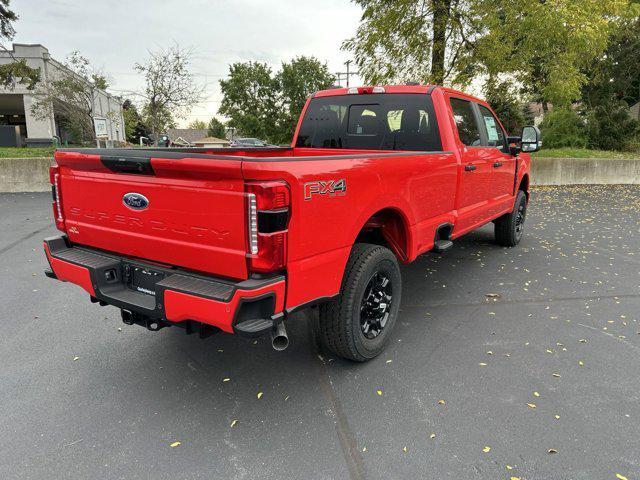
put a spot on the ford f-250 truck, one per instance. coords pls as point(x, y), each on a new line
point(238, 239)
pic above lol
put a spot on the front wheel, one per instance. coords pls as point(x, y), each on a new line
point(510, 226)
point(358, 323)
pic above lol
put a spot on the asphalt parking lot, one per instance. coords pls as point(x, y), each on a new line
point(505, 363)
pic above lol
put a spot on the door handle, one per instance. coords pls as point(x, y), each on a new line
point(497, 164)
point(469, 168)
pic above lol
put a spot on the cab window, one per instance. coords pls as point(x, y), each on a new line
point(465, 119)
point(495, 135)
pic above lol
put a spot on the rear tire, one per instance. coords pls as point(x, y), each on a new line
point(358, 323)
point(509, 227)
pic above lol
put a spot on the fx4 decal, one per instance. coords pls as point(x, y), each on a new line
point(332, 188)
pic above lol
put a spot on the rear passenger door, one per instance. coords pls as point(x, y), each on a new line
point(496, 151)
point(475, 194)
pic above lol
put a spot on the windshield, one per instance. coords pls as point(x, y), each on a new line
point(371, 122)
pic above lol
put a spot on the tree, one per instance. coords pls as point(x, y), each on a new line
point(563, 127)
point(69, 95)
point(250, 99)
point(133, 125)
point(414, 40)
point(16, 71)
point(507, 105)
point(266, 105)
point(170, 90)
point(545, 44)
point(296, 81)
point(198, 124)
point(217, 129)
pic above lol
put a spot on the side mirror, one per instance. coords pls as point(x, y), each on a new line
point(531, 141)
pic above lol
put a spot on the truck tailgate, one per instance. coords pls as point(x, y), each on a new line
point(183, 210)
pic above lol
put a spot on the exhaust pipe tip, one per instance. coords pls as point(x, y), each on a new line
point(279, 337)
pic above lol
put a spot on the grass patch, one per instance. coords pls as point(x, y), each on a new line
point(13, 152)
point(583, 153)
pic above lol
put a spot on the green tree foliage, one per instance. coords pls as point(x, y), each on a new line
point(614, 86)
point(133, 125)
point(198, 124)
point(563, 127)
point(265, 105)
point(415, 40)
point(170, 89)
point(544, 44)
point(609, 127)
point(507, 105)
point(217, 129)
point(250, 99)
point(16, 71)
point(296, 81)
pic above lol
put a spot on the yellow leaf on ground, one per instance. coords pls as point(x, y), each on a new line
point(75, 358)
point(557, 375)
point(441, 402)
point(486, 449)
point(233, 424)
point(536, 394)
point(433, 435)
point(379, 392)
point(557, 417)
point(552, 451)
point(259, 394)
point(509, 467)
point(581, 363)
point(404, 449)
point(226, 379)
point(531, 405)
point(482, 364)
point(621, 477)
point(175, 444)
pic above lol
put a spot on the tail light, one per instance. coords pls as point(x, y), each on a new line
point(54, 179)
point(267, 218)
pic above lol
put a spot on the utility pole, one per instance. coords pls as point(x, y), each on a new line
point(347, 74)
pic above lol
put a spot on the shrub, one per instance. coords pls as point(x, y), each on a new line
point(609, 127)
point(562, 128)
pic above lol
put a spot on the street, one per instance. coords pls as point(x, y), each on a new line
point(504, 363)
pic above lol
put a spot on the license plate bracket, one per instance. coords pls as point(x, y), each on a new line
point(144, 280)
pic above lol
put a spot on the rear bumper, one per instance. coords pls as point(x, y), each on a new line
point(250, 307)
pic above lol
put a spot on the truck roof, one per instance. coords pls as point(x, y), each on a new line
point(420, 89)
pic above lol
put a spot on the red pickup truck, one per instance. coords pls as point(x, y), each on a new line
point(239, 239)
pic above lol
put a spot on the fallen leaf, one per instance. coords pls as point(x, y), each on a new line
point(226, 379)
point(536, 394)
point(489, 352)
point(441, 402)
point(233, 423)
point(509, 467)
point(379, 392)
point(404, 449)
point(492, 295)
point(175, 444)
point(486, 449)
point(621, 477)
point(551, 451)
point(581, 363)
point(389, 361)
point(557, 417)
point(259, 395)
point(75, 358)
point(482, 364)
point(364, 449)
point(531, 405)
point(583, 340)
point(557, 375)
point(514, 478)
point(433, 435)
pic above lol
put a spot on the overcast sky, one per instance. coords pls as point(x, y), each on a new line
point(115, 34)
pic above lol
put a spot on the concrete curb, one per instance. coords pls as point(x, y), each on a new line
point(25, 174)
point(32, 174)
point(584, 171)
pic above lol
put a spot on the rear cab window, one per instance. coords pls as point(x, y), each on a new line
point(386, 121)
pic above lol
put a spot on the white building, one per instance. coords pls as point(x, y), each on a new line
point(15, 104)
